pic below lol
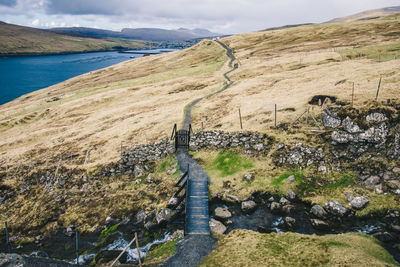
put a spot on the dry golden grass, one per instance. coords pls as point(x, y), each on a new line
point(134, 102)
point(248, 248)
point(138, 101)
point(369, 14)
point(287, 67)
point(87, 203)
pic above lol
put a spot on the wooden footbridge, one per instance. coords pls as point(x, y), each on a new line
point(193, 187)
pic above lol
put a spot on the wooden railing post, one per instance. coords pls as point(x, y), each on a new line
point(7, 239)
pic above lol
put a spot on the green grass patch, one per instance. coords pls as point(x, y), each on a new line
point(277, 182)
point(248, 248)
point(106, 232)
point(160, 252)
point(345, 180)
point(333, 243)
point(375, 52)
point(168, 163)
point(228, 163)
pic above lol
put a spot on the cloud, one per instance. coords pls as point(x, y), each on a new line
point(35, 22)
point(79, 7)
point(225, 16)
point(9, 3)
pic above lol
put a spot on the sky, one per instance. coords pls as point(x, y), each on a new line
point(220, 16)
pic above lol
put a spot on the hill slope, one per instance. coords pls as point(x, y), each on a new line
point(20, 40)
point(285, 67)
point(85, 122)
point(151, 34)
point(381, 12)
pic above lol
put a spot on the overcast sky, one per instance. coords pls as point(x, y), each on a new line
point(221, 16)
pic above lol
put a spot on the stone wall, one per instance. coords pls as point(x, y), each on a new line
point(367, 144)
point(136, 161)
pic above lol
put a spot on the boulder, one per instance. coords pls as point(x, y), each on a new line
point(233, 198)
point(329, 119)
point(359, 203)
point(376, 117)
point(248, 206)
point(275, 207)
point(111, 221)
point(283, 201)
point(291, 179)
point(349, 196)
point(287, 209)
point(248, 177)
point(393, 184)
point(222, 213)
point(149, 225)
point(173, 201)
point(378, 189)
point(319, 224)
point(318, 212)
point(341, 137)
point(258, 147)
point(178, 234)
point(290, 195)
point(322, 168)
point(140, 217)
point(372, 181)
point(279, 146)
point(349, 126)
point(290, 222)
point(171, 171)
point(217, 227)
point(395, 227)
point(149, 179)
point(69, 231)
point(335, 208)
point(164, 215)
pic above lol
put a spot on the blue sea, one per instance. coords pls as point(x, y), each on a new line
point(22, 75)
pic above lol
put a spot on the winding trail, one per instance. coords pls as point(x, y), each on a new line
point(197, 243)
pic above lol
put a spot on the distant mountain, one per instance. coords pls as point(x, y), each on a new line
point(369, 14)
point(149, 34)
point(20, 40)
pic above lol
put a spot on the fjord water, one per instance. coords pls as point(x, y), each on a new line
point(22, 75)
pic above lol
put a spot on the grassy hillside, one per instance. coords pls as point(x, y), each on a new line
point(247, 248)
point(86, 121)
point(19, 40)
point(381, 12)
point(288, 67)
point(130, 103)
point(139, 101)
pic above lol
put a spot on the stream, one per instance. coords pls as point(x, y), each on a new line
point(62, 246)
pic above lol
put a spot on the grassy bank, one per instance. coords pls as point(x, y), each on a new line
point(248, 248)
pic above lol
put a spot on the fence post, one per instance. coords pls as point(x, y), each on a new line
point(77, 245)
point(7, 239)
point(138, 250)
point(240, 117)
point(275, 115)
point(123, 251)
point(379, 87)
point(352, 96)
